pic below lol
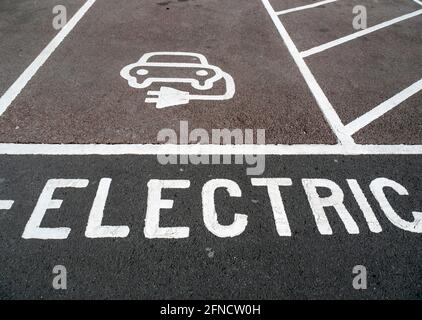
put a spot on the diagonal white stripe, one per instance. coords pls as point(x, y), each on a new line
point(32, 69)
point(358, 34)
point(309, 6)
point(383, 108)
point(324, 104)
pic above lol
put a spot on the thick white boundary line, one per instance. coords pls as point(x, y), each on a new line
point(383, 108)
point(418, 2)
point(327, 109)
point(358, 34)
point(32, 69)
point(309, 6)
point(156, 149)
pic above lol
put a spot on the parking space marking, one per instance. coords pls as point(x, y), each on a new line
point(343, 132)
point(207, 149)
point(324, 104)
point(358, 34)
point(309, 6)
point(168, 96)
point(418, 2)
point(383, 108)
point(10, 95)
point(345, 146)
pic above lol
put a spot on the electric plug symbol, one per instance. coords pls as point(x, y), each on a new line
point(168, 97)
point(203, 76)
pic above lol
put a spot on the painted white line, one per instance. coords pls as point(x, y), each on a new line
point(418, 2)
point(309, 6)
point(327, 109)
point(383, 108)
point(32, 69)
point(358, 34)
point(209, 149)
point(6, 204)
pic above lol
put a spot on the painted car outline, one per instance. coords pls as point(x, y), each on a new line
point(195, 83)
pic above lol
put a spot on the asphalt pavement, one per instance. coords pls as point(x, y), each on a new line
point(79, 122)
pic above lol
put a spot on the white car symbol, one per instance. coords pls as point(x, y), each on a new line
point(197, 72)
point(201, 75)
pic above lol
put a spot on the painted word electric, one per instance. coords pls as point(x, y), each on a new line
point(332, 203)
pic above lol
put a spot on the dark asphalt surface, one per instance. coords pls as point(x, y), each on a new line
point(78, 96)
point(88, 101)
point(25, 29)
point(256, 264)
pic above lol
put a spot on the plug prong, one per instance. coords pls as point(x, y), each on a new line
point(151, 100)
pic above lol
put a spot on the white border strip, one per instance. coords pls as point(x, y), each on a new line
point(156, 149)
point(324, 104)
point(358, 34)
point(383, 108)
point(418, 2)
point(10, 95)
point(309, 6)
